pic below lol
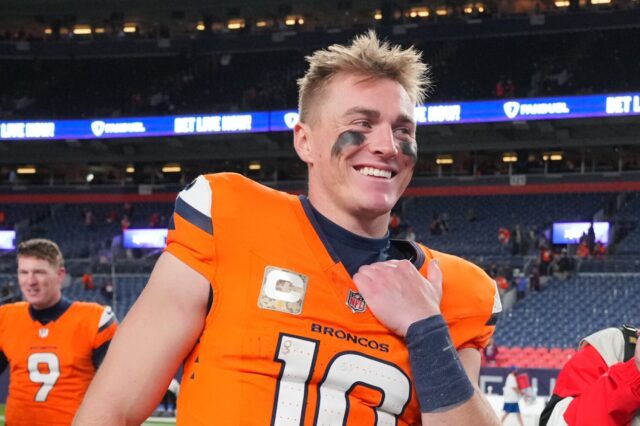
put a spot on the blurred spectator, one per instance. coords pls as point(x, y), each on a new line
point(503, 284)
point(435, 227)
point(516, 240)
point(154, 220)
point(500, 87)
point(493, 271)
point(87, 281)
point(410, 234)
point(511, 393)
point(394, 224)
point(591, 238)
point(504, 235)
point(3, 219)
point(88, 217)
point(125, 223)
point(599, 250)
point(521, 284)
point(563, 265)
point(534, 280)
point(583, 250)
point(546, 256)
point(112, 216)
point(107, 291)
point(491, 354)
point(444, 222)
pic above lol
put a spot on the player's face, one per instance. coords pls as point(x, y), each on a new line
point(40, 281)
point(361, 149)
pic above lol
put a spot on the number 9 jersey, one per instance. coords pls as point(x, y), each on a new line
point(51, 365)
point(288, 339)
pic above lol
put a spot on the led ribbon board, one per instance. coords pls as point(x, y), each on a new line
point(556, 108)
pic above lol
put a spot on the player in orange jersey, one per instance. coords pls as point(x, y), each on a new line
point(301, 310)
point(52, 346)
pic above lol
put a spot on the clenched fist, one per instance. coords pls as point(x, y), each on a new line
point(398, 295)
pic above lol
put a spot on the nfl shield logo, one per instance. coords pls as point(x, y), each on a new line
point(43, 332)
point(356, 302)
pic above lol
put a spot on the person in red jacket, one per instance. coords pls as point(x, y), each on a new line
point(600, 385)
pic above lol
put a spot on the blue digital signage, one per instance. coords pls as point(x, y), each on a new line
point(572, 232)
point(144, 238)
point(557, 108)
point(7, 240)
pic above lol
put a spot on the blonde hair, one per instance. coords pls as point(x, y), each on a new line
point(365, 55)
point(44, 249)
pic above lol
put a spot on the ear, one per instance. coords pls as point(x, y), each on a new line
point(302, 142)
point(61, 273)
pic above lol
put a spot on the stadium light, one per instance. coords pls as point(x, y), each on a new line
point(48, 31)
point(26, 170)
point(130, 28)
point(600, 1)
point(99, 30)
point(261, 23)
point(442, 12)
point(130, 169)
point(82, 30)
point(377, 15)
point(236, 24)
point(444, 159)
point(200, 26)
point(556, 156)
point(172, 168)
point(294, 19)
point(509, 157)
point(255, 165)
point(561, 3)
point(90, 177)
point(418, 12)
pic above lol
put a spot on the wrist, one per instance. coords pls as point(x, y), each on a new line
point(440, 380)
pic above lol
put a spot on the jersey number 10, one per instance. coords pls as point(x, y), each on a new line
point(344, 371)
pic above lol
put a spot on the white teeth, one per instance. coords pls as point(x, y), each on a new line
point(370, 171)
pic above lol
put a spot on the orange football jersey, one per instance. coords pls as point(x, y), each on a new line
point(51, 365)
point(289, 340)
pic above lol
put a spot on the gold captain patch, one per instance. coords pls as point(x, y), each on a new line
point(282, 290)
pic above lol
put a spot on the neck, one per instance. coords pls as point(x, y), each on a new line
point(48, 305)
point(364, 224)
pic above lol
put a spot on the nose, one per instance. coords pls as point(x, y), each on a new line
point(29, 278)
point(383, 143)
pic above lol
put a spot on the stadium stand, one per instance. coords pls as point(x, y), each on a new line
point(591, 51)
point(188, 82)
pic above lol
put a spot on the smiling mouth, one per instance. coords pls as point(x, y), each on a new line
point(372, 171)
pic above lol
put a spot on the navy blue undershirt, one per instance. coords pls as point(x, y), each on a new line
point(52, 313)
point(351, 249)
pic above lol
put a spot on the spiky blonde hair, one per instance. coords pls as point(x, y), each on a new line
point(369, 56)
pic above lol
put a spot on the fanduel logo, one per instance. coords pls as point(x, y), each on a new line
point(513, 109)
point(100, 128)
point(290, 119)
point(97, 127)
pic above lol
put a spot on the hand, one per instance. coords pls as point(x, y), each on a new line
point(397, 294)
